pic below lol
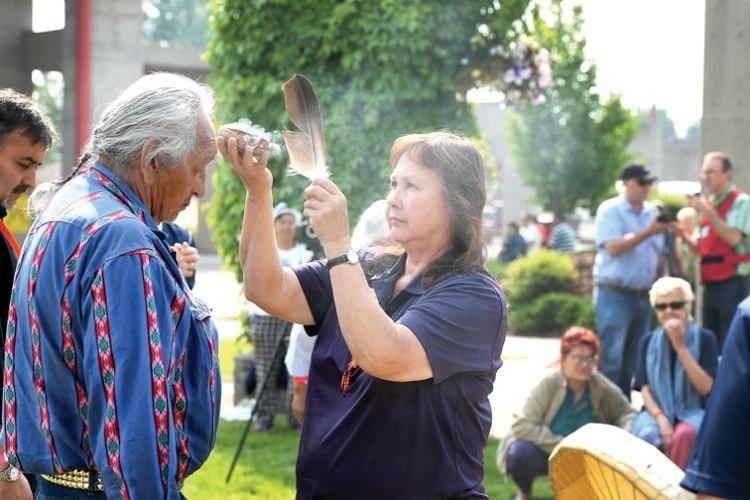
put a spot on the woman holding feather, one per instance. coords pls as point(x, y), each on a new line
point(409, 337)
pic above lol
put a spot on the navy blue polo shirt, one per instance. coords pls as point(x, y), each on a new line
point(387, 440)
point(719, 463)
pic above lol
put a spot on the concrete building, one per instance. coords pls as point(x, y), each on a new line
point(100, 51)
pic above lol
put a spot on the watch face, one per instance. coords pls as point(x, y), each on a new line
point(14, 473)
point(352, 256)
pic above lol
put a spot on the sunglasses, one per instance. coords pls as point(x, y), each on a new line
point(675, 306)
point(645, 182)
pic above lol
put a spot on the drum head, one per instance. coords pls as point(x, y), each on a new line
point(600, 461)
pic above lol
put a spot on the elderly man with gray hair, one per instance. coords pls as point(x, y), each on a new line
point(112, 383)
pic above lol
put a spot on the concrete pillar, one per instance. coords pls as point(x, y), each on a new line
point(15, 20)
point(116, 61)
point(70, 153)
point(117, 50)
point(726, 84)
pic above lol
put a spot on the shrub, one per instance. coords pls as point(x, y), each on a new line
point(496, 268)
point(541, 273)
point(551, 314)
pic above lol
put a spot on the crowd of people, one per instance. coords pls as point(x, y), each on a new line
point(111, 382)
point(558, 233)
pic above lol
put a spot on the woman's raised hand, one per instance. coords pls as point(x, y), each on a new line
point(326, 207)
point(253, 173)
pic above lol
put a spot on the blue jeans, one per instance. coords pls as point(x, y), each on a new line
point(525, 463)
point(622, 319)
point(645, 427)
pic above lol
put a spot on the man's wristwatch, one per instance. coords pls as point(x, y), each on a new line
point(350, 257)
point(9, 474)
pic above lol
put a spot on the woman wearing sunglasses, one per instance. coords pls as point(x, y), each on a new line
point(675, 371)
point(569, 397)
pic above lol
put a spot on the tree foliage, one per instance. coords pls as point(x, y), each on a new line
point(176, 23)
point(570, 148)
point(381, 68)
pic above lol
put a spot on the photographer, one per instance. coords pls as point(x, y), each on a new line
point(723, 245)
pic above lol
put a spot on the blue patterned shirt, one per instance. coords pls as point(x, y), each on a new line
point(110, 362)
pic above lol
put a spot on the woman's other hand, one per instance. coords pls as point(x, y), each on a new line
point(326, 207)
point(253, 173)
point(665, 431)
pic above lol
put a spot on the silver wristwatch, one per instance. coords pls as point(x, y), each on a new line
point(10, 474)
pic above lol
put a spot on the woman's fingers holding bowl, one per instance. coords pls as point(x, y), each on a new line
point(247, 168)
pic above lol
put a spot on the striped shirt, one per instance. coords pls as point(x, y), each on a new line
point(563, 238)
point(110, 362)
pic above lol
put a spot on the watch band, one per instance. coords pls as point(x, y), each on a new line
point(336, 261)
point(350, 257)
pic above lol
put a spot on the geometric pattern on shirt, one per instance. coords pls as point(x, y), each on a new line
point(179, 409)
point(114, 189)
point(212, 377)
point(179, 406)
point(158, 373)
point(107, 371)
point(9, 390)
point(68, 345)
point(34, 330)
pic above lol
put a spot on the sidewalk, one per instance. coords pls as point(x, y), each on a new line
point(524, 359)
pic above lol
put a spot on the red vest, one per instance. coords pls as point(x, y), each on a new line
point(718, 260)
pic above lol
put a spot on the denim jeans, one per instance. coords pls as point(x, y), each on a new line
point(525, 463)
point(622, 319)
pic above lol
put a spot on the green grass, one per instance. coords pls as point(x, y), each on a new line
point(265, 469)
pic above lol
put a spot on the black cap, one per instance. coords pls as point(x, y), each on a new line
point(636, 171)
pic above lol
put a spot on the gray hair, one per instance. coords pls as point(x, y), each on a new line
point(669, 284)
point(164, 107)
point(372, 228)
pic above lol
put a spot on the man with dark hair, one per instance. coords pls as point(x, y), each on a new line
point(724, 244)
point(25, 135)
point(627, 253)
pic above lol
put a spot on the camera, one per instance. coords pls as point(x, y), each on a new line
point(665, 218)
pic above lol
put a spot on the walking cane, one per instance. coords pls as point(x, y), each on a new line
point(261, 393)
